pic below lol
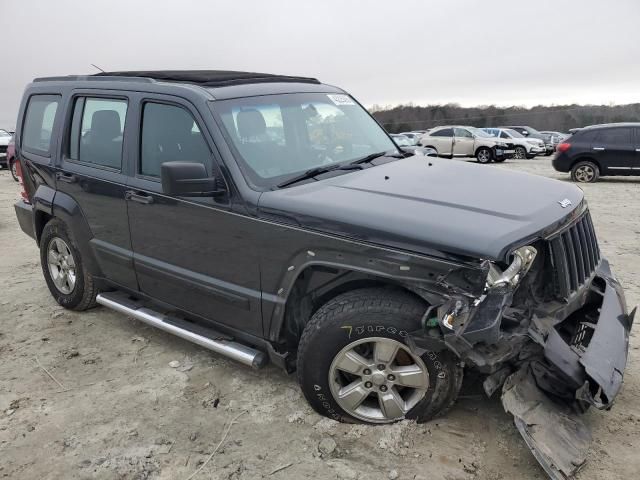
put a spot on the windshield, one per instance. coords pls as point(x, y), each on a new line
point(277, 137)
point(479, 133)
point(4, 133)
point(514, 133)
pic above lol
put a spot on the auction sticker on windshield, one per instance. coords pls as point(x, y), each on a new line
point(341, 99)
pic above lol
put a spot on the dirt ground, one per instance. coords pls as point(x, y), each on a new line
point(121, 411)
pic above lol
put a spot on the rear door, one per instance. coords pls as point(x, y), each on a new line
point(91, 172)
point(636, 161)
point(615, 149)
point(442, 140)
point(463, 143)
point(198, 253)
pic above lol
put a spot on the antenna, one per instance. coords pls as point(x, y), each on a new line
point(96, 67)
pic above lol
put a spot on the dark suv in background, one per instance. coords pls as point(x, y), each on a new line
point(268, 217)
point(600, 150)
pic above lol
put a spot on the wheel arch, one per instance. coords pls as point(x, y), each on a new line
point(585, 158)
point(483, 147)
point(315, 281)
point(65, 208)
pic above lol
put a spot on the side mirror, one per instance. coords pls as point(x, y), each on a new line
point(188, 179)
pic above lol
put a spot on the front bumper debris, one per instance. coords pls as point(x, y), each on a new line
point(558, 437)
point(589, 365)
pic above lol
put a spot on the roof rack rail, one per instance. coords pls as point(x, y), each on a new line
point(76, 78)
point(209, 78)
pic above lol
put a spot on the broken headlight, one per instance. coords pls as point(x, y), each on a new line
point(521, 262)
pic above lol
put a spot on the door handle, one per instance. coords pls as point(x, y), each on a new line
point(599, 149)
point(67, 178)
point(136, 197)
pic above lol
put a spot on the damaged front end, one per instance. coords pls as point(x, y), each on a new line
point(551, 329)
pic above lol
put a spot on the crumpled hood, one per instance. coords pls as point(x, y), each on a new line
point(428, 205)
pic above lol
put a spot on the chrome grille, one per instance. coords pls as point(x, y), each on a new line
point(575, 255)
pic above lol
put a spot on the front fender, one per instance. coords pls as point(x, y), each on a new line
point(427, 276)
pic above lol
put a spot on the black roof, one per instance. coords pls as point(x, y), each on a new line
point(209, 78)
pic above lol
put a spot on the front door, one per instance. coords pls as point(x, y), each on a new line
point(463, 143)
point(91, 172)
point(615, 150)
point(193, 253)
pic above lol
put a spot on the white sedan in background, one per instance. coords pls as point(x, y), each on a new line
point(524, 147)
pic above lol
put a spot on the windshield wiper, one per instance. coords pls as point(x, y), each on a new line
point(314, 172)
point(373, 156)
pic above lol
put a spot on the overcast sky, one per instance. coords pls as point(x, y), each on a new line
point(473, 52)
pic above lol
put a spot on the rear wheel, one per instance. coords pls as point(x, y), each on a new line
point(14, 170)
point(520, 153)
point(483, 155)
point(69, 282)
point(355, 365)
point(585, 172)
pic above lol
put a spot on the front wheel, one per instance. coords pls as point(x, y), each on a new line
point(71, 285)
point(520, 153)
point(355, 365)
point(483, 155)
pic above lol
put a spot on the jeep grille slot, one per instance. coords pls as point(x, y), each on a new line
point(575, 256)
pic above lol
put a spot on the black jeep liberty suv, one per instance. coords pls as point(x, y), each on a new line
point(270, 218)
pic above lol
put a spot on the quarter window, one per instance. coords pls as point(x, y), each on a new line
point(97, 131)
point(615, 136)
point(169, 134)
point(445, 132)
point(38, 123)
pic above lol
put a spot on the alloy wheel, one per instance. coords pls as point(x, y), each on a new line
point(377, 379)
point(520, 153)
point(62, 266)
point(585, 173)
point(484, 156)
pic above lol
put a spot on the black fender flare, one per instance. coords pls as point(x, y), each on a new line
point(65, 208)
point(426, 276)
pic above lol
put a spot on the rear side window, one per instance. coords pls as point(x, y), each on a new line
point(169, 134)
point(97, 131)
point(38, 123)
point(463, 132)
point(614, 136)
point(445, 132)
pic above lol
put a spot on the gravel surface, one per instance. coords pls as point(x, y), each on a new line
point(129, 401)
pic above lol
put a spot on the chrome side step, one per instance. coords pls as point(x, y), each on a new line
point(236, 351)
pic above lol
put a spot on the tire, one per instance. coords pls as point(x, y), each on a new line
point(520, 153)
point(78, 291)
point(359, 321)
point(12, 168)
point(483, 155)
point(585, 172)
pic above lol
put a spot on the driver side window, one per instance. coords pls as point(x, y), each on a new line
point(169, 134)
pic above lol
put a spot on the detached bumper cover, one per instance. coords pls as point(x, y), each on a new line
point(597, 368)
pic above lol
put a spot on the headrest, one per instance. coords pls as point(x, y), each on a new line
point(105, 123)
point(251, 123)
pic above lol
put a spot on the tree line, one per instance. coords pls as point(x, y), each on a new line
point(560, 118)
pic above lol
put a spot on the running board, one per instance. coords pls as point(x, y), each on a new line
point(217, 343)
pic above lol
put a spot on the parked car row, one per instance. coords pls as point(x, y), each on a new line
point(465, 141)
